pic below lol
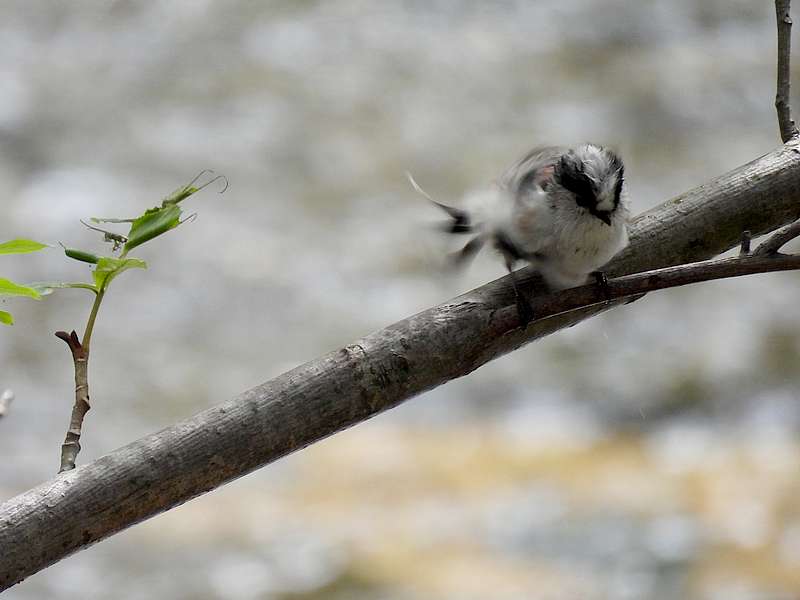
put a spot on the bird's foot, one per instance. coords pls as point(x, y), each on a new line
point(601, 280)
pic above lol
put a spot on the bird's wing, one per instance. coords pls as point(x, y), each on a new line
point(534, 169)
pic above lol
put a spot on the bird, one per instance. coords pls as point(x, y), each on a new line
point(563, 210)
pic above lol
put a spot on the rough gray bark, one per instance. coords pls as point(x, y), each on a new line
point(349, 385)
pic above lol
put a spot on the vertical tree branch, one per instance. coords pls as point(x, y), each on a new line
point(80, 358)
point(782, 98)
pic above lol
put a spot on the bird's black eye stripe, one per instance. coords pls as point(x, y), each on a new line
point(581, 187)
point(576, 181)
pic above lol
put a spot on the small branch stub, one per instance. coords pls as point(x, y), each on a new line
point(744, 249)
point(782, 98)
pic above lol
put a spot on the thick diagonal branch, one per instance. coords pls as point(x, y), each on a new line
point(782, 97)
point(351, 384)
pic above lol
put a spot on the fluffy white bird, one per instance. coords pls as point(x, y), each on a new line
point(563, 210)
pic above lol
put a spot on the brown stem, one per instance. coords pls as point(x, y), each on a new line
point(80, 357)
point(782, 97)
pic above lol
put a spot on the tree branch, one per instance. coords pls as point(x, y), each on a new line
point(782, 97)
point(660, 279)
point(80, 360)
point(776, 241)
point(349, 385)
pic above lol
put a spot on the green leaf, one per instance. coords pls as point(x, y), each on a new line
point(6, 318)
point(20, 247)
point(152, 223)
point(81, 255)
point(107, 268)
point(9, 288)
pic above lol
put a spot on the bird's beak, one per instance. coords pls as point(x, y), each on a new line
point(605, 217)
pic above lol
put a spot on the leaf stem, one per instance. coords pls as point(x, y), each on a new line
point(87, 334)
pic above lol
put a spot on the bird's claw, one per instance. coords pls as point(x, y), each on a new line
point(601, 280)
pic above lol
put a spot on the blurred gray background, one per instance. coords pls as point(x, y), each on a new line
point(649, 453)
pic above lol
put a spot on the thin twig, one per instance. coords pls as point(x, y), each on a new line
point(782, 98)
point(659, 279)
point(765, 259)
point(778, 239)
